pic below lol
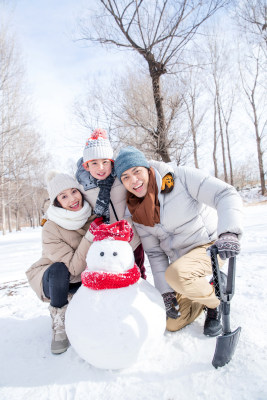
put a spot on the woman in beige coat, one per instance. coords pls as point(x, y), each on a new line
point(57, 275)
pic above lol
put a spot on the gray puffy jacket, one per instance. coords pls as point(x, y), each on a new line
point(196, 212)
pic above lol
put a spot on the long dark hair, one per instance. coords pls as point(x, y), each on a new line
point(56, 203)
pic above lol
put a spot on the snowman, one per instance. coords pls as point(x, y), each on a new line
point(115, 315)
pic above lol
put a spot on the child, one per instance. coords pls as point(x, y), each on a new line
point(57, 275)
point(103, 191)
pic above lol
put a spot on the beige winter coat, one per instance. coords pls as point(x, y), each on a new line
point(60, 245)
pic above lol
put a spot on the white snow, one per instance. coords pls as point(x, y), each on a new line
point(181, 366)
point(252, 195)
point(100, 256)
point(113, 328)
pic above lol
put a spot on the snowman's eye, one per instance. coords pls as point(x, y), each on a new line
point(115, 253)
point(102, 253)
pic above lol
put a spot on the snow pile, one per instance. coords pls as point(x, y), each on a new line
point(252, 195)
point(115, 315)
point(179, 369)
point(110, 328)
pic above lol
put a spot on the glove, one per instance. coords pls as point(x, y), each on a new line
point(171, 305)
point(228, 245)
point(167, 184)
point(96, 222)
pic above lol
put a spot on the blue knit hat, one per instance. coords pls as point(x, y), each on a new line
point(129, 157)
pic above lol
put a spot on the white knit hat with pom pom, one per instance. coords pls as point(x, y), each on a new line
point(57, 182)
point(97, 146)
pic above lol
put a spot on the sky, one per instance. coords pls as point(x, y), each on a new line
point(58, 68)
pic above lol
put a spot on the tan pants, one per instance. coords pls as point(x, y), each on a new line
point(189, 312)
point(187, 276)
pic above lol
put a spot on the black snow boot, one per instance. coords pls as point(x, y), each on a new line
point(212, 325)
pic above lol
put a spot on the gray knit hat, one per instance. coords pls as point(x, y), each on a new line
point(57, 182)
point(97, 146)
point(129, 157)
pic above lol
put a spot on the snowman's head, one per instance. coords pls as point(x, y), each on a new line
point(110, 256)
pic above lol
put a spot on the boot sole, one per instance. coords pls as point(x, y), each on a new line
point(213, 334)
point(59, 351)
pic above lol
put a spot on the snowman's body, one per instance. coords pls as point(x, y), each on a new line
point(110, 327)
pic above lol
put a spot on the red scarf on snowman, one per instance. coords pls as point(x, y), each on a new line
point(100, 280)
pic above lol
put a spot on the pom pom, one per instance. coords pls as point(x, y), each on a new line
point(51, 175)
point(99, 133)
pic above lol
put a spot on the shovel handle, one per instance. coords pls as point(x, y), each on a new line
point(230, 287)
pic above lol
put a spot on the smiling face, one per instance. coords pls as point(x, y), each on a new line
point(135, 180)
point(70, 199)
point(99, 169)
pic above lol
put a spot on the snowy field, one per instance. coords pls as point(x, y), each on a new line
point(180, 369)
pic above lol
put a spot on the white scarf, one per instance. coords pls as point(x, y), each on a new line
point(67, 219)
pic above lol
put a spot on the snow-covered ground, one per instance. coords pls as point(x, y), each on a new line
point(252, 195)
point(179, 369)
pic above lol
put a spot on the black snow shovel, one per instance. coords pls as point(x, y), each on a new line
point(227, 342)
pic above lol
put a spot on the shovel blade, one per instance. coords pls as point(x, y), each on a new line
point(225, 348)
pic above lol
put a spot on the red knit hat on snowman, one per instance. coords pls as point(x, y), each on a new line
point(120, 230)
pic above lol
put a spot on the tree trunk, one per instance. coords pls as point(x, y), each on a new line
point(259, 150)
point(215, 140)
point(9, 223)
point(160, 134)
point(222, 140)
point(229, 155)
point(18, 227)
point(3, 217)
point(9, 218)
point(195, 148)
point(193, 125)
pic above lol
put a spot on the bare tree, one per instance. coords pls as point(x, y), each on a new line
point(19, 144)
point(159, 32)
point(253, 83)
point(227, 112)
point(252, 18)
point(126, 108)
point(216, 67)
point(9, 74)
point(195, 108)
point(220, 81)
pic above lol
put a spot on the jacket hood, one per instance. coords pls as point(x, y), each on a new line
point(83, 176)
